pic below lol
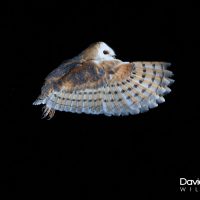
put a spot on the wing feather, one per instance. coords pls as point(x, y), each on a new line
point(107, 87)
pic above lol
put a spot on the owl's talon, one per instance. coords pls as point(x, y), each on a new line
point(47, 112)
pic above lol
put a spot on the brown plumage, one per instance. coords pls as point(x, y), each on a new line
point(94, 82)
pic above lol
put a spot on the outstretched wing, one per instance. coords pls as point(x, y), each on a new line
point(144, 87)
point(109, 87)
point(71, 78)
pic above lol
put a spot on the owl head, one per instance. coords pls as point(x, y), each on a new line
point(98, 51)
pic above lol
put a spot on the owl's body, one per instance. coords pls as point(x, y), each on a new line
point(94, 82)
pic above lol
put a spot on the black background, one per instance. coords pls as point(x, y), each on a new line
point(96, 156)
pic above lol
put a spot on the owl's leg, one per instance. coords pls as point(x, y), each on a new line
point(48, 112)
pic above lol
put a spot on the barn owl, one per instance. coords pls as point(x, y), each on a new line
point(95, 82)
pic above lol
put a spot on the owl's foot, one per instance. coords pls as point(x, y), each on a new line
point(48, 112)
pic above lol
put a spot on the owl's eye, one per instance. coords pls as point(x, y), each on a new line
point(106, 52)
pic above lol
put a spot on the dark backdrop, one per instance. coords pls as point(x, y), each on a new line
point(91, 156)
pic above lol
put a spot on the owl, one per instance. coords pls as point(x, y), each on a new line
point(95, 82)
